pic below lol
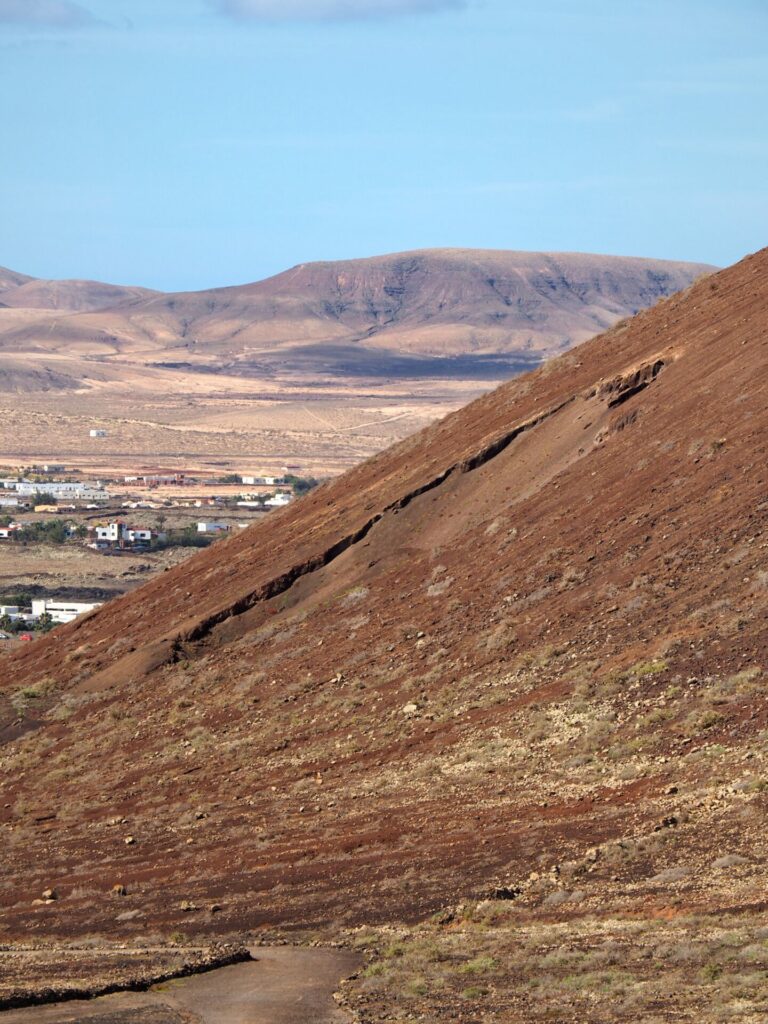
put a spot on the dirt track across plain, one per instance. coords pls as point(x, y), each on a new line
point(283, 985)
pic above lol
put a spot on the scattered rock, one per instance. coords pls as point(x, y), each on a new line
point(668, 822)
point(504, 892)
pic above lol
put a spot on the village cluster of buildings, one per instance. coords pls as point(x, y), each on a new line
point(14, 492)
point(118, 536)
point(45, 493)
point(61, 491)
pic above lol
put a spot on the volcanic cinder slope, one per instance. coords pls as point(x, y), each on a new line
point(524, 649)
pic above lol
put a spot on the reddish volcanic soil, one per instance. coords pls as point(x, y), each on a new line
point(523, 646)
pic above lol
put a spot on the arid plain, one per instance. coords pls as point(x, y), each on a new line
point(320, 366)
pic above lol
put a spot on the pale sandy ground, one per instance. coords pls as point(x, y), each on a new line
point(284, 985)
point(228, 425)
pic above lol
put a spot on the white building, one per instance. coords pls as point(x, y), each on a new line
point(15, 614)
point(137, 536)
point(212, 527)
point(109, 533)
point(62, 611)
point(266, 481)
point(61, 491)
point(97, 433)
point(114, 533)
point(279, 500)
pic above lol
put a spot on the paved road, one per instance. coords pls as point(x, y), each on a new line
point(284, 986)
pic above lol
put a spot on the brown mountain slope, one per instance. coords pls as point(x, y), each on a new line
point(67, 296)
point(524, 648)
point(11, 279)
point(389, 315)
point(433, 302)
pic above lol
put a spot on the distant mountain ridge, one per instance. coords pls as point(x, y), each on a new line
point(348, 317)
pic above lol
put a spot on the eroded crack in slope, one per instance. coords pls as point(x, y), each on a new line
point(623, 387)
point(617, 390)
point(280, 584)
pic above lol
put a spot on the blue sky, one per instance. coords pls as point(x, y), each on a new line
point(189, 143)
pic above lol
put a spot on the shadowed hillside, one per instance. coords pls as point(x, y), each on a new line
point(519, 655)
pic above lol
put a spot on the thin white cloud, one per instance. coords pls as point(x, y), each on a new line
point(594, 113)
point(329, 10)
point(45, 13)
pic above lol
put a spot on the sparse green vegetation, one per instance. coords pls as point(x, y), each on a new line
point(609, 970)
point(49, 531)
point(301, 484)
point(188, 537)
point(649, 668)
